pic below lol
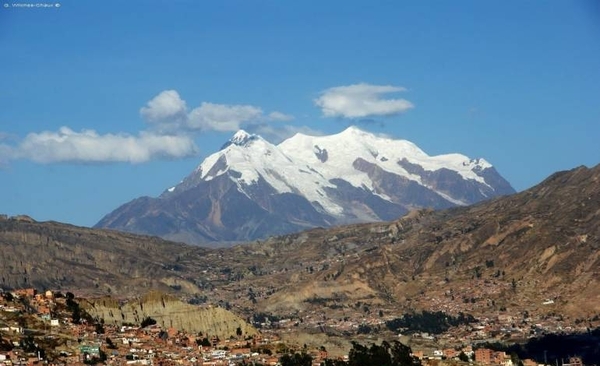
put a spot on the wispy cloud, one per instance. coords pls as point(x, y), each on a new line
point(278, 116)
point(66, 145)
point(169, 112)
point(5, 154)
point(361, 101)
point(222, 117)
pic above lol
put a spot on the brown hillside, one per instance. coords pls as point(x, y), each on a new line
point(512, 253)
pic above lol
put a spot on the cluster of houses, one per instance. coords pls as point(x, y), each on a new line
point(82, 343)
point(86, 343)
point(482, 356)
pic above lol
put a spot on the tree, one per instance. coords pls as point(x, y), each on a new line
point(99, 328)
point(514, 357)
point(205, 342)
point(330, 362)
point(359, 355)
point(28, 344)
point(396, 354)
point(463, 357)
point(147, 321)
point(296, 359)
point(364, 329)
point(402, 355)
point(238, 331)
point(379, 354)
point(431, 322)
point(71, 303)
point(5, 345)
point(102, 356)
point(76, 315)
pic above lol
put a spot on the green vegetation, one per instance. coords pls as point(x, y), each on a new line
point(556, 347)
point(110, 344)
point(463, 357)
point(429, 322)
point(77, 313)
point(364, 329)
point(296, 359)
point(204, 342)
point(386, 354)
point(147, 321)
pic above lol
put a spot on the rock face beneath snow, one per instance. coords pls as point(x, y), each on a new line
point(252, 189)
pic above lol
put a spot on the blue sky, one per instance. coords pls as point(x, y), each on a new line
point(105, 101)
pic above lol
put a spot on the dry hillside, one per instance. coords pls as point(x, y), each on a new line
point(513, 252)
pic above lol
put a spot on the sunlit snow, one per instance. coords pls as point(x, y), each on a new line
point(299, 165)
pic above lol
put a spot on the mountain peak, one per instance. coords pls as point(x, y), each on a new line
point(354, 130)
point(241, 138)
point(252, 188)
point(477, 164)
point(241, 135)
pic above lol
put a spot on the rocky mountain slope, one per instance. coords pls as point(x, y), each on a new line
point(52, 255)
point(169, 312)
point(252, 189)
point(91, 262)
point(536, 251)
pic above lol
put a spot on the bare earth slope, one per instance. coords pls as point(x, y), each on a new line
point(515, 252)
point(542, 245)
point(169, 311)
point(52, 255)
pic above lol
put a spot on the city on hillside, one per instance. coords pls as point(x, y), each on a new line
point(50, 328)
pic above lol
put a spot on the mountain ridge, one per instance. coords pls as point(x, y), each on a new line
point(306, 181)
point(537, 251)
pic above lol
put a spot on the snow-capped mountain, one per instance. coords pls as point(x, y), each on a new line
point(251, 188)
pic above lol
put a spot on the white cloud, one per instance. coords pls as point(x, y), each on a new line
point(168, 112)
point(166, 106)
point(172, 126)
point(88, 146)
point(222, 117)
point(278, 116)
point(5, 154)
point(361, 100)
